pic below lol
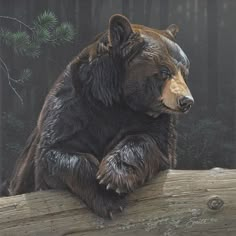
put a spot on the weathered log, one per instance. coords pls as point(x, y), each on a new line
point(175, 203)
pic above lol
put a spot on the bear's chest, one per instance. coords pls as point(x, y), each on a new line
point(105, 129)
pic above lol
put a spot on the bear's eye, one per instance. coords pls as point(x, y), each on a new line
point(184, 74)
point(165, 73)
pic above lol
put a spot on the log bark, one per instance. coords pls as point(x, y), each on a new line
point(176, 202)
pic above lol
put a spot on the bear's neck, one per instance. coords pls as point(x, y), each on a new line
point(102, 79)
point(167, 137)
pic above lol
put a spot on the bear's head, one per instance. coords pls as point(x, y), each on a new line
point(140, 66)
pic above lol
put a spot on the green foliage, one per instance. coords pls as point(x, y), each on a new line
point(45, 30)
point(30, 42)
point(46, 20)
point(19, 40)
point(63, 33)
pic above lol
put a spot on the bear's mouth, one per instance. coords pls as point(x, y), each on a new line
point(175, 111)
point(165, 109)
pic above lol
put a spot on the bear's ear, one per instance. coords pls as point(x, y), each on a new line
point(119, 30)
point(173, 30)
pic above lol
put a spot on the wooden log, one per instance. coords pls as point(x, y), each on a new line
point(175, 203)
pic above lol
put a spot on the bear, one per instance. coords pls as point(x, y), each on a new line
point(107, 126)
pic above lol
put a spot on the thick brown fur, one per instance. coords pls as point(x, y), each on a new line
point(105, 127)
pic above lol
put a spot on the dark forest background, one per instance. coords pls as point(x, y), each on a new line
point(207, 35)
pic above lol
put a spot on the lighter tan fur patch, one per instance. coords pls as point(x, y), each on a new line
point(173, 90)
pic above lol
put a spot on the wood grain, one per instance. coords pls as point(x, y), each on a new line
point(175, 203)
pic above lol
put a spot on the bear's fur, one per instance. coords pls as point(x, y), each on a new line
point(108, 123)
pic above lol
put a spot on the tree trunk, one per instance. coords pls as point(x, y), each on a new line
point(138, 12)
point(179, 203)
point(212, 18)
point(126, 8)
point(164, 10)
point(147, 14)
point(85, 22)
point(97, 15)
point(1, 98)
point(234, 103)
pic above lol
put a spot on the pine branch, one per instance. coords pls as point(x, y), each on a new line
point(44, 31)
point(46, 20)
point(62, 34)
point(6, 70)
point(17, 20)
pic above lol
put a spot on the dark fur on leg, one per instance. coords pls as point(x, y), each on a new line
point(77, 172)
point(22, 180)
point(133, 161)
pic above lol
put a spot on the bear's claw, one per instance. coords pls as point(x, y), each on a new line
point(121, 177)
point(118, 190)
point(108, 186)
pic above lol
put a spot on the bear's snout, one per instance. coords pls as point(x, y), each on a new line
point(185, 103)
point(176, 95)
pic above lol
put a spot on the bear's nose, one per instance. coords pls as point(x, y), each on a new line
point(185, 103)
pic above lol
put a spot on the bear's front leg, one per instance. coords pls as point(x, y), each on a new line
point(133, 161)
point(77, 172)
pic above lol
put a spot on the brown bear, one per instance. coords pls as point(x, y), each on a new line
point(108, 124)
